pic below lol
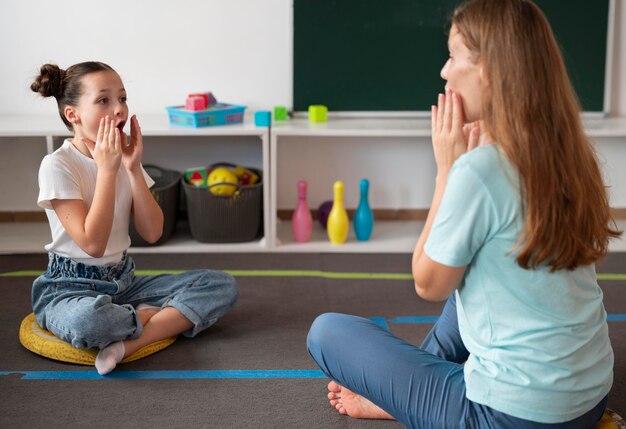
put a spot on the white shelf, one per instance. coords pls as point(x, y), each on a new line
point(31, 237)
point(387, 237)
point(361, 127)
point(605, 127)
point(181, 241)
point(151, 125)
point(410, 127)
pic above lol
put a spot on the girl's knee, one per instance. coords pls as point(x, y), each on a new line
point(94, 325)
point(230, 289)
point(221, 286)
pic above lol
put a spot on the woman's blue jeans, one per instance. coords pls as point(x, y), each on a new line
point(422, 387)
point(92, 306)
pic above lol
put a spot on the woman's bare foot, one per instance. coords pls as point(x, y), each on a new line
point(353, 405)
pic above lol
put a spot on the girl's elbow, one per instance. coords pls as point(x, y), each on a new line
point(94, 251)
point(154, 236)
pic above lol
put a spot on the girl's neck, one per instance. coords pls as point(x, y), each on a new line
point(80, 145)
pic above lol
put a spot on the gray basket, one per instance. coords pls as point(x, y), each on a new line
point(166, 192)
point(225, 218)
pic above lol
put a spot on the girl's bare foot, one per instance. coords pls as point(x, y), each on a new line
point(145, 312)
point(353, 405)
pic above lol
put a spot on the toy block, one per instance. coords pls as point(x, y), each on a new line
point(263, 118)
point(318, 113)
point(195, 103)
point(208, 97)
point(280, 113)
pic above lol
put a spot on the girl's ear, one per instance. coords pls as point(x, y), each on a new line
point(71, 114)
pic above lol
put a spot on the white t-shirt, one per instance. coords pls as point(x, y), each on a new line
point(67, 174)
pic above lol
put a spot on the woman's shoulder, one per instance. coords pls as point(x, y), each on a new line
point(484, 160)
point(490, 166)
point(481, 153)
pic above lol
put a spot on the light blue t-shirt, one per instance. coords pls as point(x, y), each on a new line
point(538, 341)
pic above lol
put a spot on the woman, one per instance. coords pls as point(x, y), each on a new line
point(518, 218)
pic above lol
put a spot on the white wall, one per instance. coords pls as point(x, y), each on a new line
point(163, 49)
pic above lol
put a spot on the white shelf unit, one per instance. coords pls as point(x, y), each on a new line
point(321, 153)
point(339, 149)
point(169, 147)
point(299, 147)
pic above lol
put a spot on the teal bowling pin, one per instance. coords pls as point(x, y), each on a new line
point(337, 224)
point(363, 217)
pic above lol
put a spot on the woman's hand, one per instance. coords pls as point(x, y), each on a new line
point(107, 150)
point(450, 137)
point(132, 150)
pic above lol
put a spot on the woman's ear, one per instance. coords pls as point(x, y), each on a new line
point(483, 75)
point(71, 114)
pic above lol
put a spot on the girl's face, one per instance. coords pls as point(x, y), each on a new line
point(464, 76)
point(103, 94)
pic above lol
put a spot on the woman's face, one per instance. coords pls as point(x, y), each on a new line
point(103, 94)
point(464, 76)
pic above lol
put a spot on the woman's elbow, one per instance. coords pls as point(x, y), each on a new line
point(422, 292)
point(428, 293)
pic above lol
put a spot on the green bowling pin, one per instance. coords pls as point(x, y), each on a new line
point(337, 226)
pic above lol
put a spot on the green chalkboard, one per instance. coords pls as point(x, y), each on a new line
point(386, 55)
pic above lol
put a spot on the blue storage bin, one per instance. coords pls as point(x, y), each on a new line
point(217, 114)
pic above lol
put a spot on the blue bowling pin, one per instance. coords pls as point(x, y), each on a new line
point(363, 217)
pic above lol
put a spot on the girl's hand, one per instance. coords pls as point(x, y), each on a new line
point(107, 150)
point(449, 136)
point(132, 150)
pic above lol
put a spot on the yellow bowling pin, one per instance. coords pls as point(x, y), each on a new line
point(337, 225)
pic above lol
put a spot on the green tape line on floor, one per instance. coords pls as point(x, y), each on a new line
point(258, 273)
point(292, 273)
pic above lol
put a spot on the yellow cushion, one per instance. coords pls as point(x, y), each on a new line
point(611, 420)
point(44, 343)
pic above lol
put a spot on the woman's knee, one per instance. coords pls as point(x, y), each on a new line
point(323, 330)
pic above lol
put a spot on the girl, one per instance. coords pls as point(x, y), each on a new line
point(89, 187)
point(518, 218)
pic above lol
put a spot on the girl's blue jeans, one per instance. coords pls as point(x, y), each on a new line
point(422, 387)
point(92, 306)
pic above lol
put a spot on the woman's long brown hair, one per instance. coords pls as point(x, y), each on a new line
point(531, 111)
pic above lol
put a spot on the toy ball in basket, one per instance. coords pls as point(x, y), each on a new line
point(203, 110)
point(221, 179)
point(224, 203)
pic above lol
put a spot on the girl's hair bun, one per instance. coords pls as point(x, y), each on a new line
point(49, 83)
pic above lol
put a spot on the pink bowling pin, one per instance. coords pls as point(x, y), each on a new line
point(302, 221)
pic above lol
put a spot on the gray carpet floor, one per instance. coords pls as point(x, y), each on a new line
point(265, 332)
